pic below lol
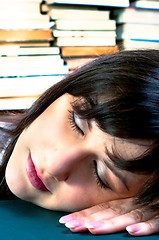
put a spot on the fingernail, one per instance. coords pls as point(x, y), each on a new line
point(133, 229)
point(73, 224)
point(93, 224)
point(66, 219)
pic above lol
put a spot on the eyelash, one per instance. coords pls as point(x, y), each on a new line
point(73, 124)
point(98, 180)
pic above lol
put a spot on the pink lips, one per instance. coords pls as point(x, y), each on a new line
point(33, 176)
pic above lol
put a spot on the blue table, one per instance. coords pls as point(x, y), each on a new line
point(22, 220)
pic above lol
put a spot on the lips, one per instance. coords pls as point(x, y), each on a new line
point(33, 176)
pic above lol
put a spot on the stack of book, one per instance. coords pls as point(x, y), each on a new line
point(21, 23)
point(28, 64)
point(138, 25)
point(82, 32)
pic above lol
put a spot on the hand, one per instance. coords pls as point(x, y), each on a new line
point(112, 217)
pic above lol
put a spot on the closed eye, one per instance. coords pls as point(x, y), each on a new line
point(73, 123)
point(99, 181)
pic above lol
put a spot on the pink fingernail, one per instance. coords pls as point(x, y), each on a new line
point(93, 224)
point(73, 224)
point(133, 229)
point(67, 218)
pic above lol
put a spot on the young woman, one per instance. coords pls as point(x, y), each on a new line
point(91, 142)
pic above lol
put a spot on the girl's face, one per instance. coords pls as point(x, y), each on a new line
point(60, 162)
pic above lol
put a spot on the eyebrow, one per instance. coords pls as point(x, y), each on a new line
point(116, 173)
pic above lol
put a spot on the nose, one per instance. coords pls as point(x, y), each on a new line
point(60, 164)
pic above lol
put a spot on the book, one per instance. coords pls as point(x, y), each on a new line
point(85, 25)
point(149, 4)
point(136, 15)
point(16, 103)
point(116, 3)
point(138, 31)
point(136, 44)
point(85, 41)
point(25, 25)
point(71, 12)
point(27, 86)
point(14, 35)
point(26, 1)
point(21, 10)
point(22, 21)
point(33, 43)
point(32, 66)
point(25, 51)
point(83, 33)
point(87, 51)
point(76, 62)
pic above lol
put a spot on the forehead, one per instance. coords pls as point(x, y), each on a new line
point(128, 149)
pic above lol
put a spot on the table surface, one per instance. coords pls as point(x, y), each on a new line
point(23, 220)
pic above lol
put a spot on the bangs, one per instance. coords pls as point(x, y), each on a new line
point(119, 116)
point(121, 96)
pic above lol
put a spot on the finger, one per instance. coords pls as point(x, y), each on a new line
point(144, 228)
point(114, 209)
point(83, 213)
point(115, 224)
point(75, 221)
point(121, 223)
point(101, 211)
point(78, 224)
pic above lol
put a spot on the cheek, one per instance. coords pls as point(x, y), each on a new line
point(15, 178)
point(81, 194)
point(82, 200)
point(76, 199)
point(46, 130)
point(136, 182)
point(15, 170)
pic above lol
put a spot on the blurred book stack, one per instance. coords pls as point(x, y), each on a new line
point(138, 25)
point(83, 29)
point(28, 63)
point(21, 23)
